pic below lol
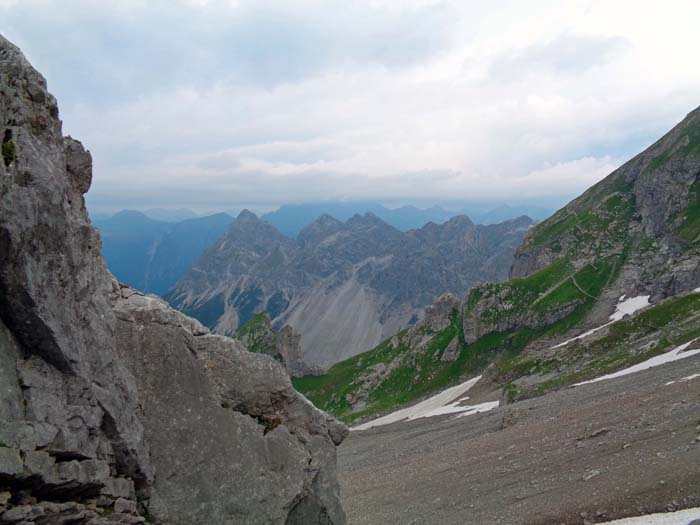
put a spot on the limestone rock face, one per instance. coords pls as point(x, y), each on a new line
point(70, 409)
point(217, 417)
point(113, 407)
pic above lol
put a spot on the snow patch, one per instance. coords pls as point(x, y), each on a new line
point(697, 290)
point(624, 307)
point(446, 402)
point(684, 379)
point(680, 517)
point(629, 306)
point(668, 357)
point(476, 409)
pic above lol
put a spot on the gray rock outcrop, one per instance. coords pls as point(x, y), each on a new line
point(439, 314)
point(115, 408)
point(284, 345)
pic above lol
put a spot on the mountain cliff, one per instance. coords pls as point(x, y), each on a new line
point(114, 408)
point(629, 246)
point(343, 286)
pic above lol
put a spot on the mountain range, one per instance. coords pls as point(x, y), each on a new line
point(291, 219)
point(153, 249)
point(344, 286)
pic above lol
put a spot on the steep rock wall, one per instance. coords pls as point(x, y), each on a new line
point(113, 407)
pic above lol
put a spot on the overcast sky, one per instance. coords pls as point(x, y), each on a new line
point(220, 104)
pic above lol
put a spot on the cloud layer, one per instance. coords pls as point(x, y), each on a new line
point(218, 104)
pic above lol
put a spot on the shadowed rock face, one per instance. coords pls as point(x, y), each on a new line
point(114, 407)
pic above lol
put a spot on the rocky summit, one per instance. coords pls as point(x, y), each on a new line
point(343, 286)
point(114, 408)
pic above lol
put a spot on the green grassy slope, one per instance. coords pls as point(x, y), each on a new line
point(417, 372)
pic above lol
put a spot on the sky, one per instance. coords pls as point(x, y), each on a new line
point(221, 104)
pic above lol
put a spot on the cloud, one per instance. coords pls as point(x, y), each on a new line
point(219, 103)
point(566, 54)
point(117, 50)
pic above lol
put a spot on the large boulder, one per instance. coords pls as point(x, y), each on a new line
point(115, 408)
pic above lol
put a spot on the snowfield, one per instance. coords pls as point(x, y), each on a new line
point(668, 357)
point(681, 517)
point(446, 402)
point(624, 307)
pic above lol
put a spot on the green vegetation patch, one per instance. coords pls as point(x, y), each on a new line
point(689, 229)
point(258, 335)
point(420, 372)
point(675, 321)
point(258, 321)
point(552, 229)
point(599, 218)
point(518, 295)
point(9, 154)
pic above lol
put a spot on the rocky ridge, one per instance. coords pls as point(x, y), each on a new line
point(114, 407)
point(342, 286)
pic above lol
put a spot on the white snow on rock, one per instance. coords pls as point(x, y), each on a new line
point(680, 517)
point(446, 402)
point(624, 307)
point(684, 379)
point(476, 409)
point(629, 306)
point(668, 357)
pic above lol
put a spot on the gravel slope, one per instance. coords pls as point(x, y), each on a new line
point(588, 454)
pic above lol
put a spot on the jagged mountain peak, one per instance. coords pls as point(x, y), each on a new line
point(247, 216)
point(248, 227)
point(342, 286)
point(368, 220)
point(319, 229)
point(462, 221)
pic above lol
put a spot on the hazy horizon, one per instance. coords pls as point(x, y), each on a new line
point(462, 208)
